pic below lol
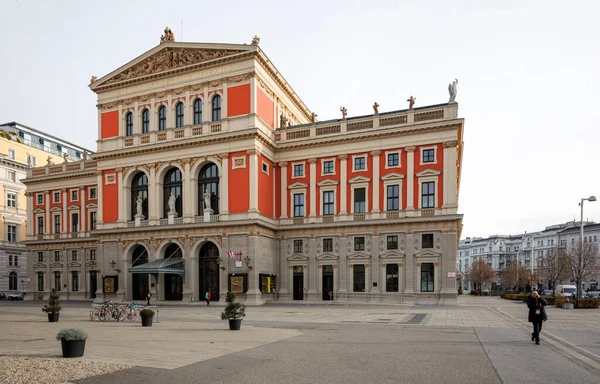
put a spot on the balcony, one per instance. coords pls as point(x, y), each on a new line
point(59, 236)
point(78, 166)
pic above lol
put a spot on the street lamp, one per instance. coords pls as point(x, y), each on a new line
point(590, 199)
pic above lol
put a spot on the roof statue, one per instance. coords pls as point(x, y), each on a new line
point(93, 79)
point(65, 157)
point(376, 108)
point(313, 117)
point(168, 36)
point(49, 160)
point(255, 40)
point(282, 121)
point(411, 102)
point(452, 90)
point(344, 112)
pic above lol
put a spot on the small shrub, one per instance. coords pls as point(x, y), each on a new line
point(53, 305)
point(70, 334)
point(588, 303)
point(560, 302)
point(550, 300)
point(146, 313)
point(233, 309)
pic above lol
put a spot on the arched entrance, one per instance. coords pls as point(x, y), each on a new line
point(139, 281)
point(173, 282)
point(208, 278)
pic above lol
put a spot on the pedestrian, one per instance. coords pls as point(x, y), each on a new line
point(537, 314)
point(148, 296)
point(207, 297)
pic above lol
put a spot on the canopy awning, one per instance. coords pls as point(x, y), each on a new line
point(175, 266)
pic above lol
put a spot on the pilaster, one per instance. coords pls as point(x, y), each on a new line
point(253, 295)
point(410, 177)
point(313, 189)
point(188, 189)
point(284, 192)
point(82, 218)
point(65, 221)
point(253, 154)
point(376, 182)
point(343, 183)
point(48, 221)
point(312, 271)
point(409, 264)
point(224, 193)
point(122, 215)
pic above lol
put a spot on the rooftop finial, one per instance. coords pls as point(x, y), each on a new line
point(255, 40)
point(168, 36)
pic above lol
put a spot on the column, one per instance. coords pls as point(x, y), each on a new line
point(137, 127)
point(252, 95)
point(122, 214)
point(343, 270)
point(409, 264)
point(410, 175)
point(312, 271)
point(188, 114)
point(313, 189)
point(188, 278)
point(284, 192)
point(284, 273)
point(448, 262)
point(31, 216)
point(153, 204)
point(82, 219)
point(253, 295)
point(436, 278)
point(376, 182)
point(343, 183)
point(100, 184)
point(224, 114)
point(375, 271)
point(48, 220)
point(188, 189)
point(450, 175)
point(153, 116)
point(206, 106)
point(65, 221)
point(222, 273)
point(253, 180)
point(224, 195)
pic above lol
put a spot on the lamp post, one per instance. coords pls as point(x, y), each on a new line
point(590, 199)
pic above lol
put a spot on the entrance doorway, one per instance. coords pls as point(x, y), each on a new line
point(298, 283)
point(139, 281)
point(93, 284)
point(174, 287)
point(208, 278)
point(327, 282)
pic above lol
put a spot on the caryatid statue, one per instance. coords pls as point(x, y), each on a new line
point(452, 90)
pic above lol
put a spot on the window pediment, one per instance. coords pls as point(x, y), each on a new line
point(39, 210)
point(327, 256)
point(73, 207)
point(91, 205)
point(297, 257)
point(393, 176)
point(327, 182)
point(55, 265)
point(359, 179)
point(428, 253)
point(428, 172)
point(55, 209)
point(359, 256)
point(392, 254)
point(39, 265)
point(298, 185)
point(74, 264)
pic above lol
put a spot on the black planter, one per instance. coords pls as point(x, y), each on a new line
point(53, 317)
point(72, 348)
point(146, 321)
point(235, 325)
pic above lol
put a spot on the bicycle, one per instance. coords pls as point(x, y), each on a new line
point(129, 312)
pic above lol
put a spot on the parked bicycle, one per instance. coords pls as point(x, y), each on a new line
point(129, 312)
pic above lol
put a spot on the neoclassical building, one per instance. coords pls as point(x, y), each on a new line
point(212, 174)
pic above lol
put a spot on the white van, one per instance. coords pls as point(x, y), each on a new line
point(566, 290)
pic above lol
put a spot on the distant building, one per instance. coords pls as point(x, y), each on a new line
point(21, 147)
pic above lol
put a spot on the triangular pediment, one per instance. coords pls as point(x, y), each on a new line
point(359, 256)
point(391, 254)
point(359, 179)
point(91, 205)
point(39, 265)
point(393, 176)
point(39, 210)
point(72, 207)
point(297, 258)
point(55, 209)
point(74, 264)
point(171, 57)
point(327, 182)
point(56, 264)
point(327, 256)
point(428, 253)
point(297, 185)
point(428, 172)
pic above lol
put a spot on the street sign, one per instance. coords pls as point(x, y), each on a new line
point(451, 274)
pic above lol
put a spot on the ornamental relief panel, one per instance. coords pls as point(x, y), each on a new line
point(336, 246)
point(350, 244)
point(401, 243)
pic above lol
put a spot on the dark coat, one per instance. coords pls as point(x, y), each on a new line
point(531, 304)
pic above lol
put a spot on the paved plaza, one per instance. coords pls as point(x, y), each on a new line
point(482, 340)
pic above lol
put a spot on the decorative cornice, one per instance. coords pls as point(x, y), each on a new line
point(283, 163)
point(312, 160)
point(450, 144)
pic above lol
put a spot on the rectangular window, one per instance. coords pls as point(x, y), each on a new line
point(57, 256)
point(298, 170)
point(56, 223)
point(74, 222)
point(92, 220)
point(391, 278)
point(74, 281)
point(265, 168)
point(40, 198)
point(328, 167)
point(11, 233)
point(392, 242)
point(57, 197)
point(428, 195)
point(328, 203)
point(359, 243)
point(40, 257)
point(393, 159)
point(11, 175)
point(57, 282)
point(92, 193)
point(40, 281)
point(427, 277)
point(10, 260)
point(393, 197)
point(298, 205)
point(40, 225)
point(16, 261)
point(92, 254)
point(359, 277)
point(428, 155)
point(360, 163)
point(327, 245)
point(73, 255)
point(360, 200)
point(11, 154)
point(427, 239)
point(298, 246)
point(11, 199)
point(74, 195)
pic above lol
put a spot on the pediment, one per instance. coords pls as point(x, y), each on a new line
point(56, 264)
point(359, 256)
point(359, 179)
point(39, 265)
point(393, 176)
point(55, 209)
point(74, 264)
point(39, 210)
point(72, 207)
point(327, 256)
point(428, 172)
point(428, 253)
point(297, 185)
point(170, 57)
point(297, 258)
point(91, 205)
point(327, 182)
point(391, 255)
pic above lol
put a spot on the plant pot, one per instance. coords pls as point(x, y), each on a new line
point(235, 325)
point(72, 348)
point(146, 321)
point(53, 317)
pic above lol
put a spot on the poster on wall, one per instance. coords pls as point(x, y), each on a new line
point(110, 284)
point(237, 284)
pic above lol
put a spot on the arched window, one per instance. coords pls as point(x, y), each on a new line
point(208, 181)
point(198, 111)
point(162, 118)
point(145, 121)
point(129, 124)
point(139, 187)
point(216, 108)
point(173, 251)
point(172, 185)
point(12, 281)
point(179, 115)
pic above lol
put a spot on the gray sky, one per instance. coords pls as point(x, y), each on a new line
point(528, 78)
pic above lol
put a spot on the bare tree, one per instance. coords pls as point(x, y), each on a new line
point(583, 263)
point(480, 273)
point(555, 267)
point(515, 276)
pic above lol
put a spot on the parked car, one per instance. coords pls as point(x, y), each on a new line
point(547, 292)
point(566, 290)
point(15, 295)
point(593, 294)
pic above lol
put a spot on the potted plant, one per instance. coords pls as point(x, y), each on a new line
point(234, 312)
point(72, 341)
point(147, 315)
point(53, 307)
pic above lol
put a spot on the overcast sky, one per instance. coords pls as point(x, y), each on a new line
point(528, 78)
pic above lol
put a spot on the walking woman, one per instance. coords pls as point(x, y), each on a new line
point(537, 314)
